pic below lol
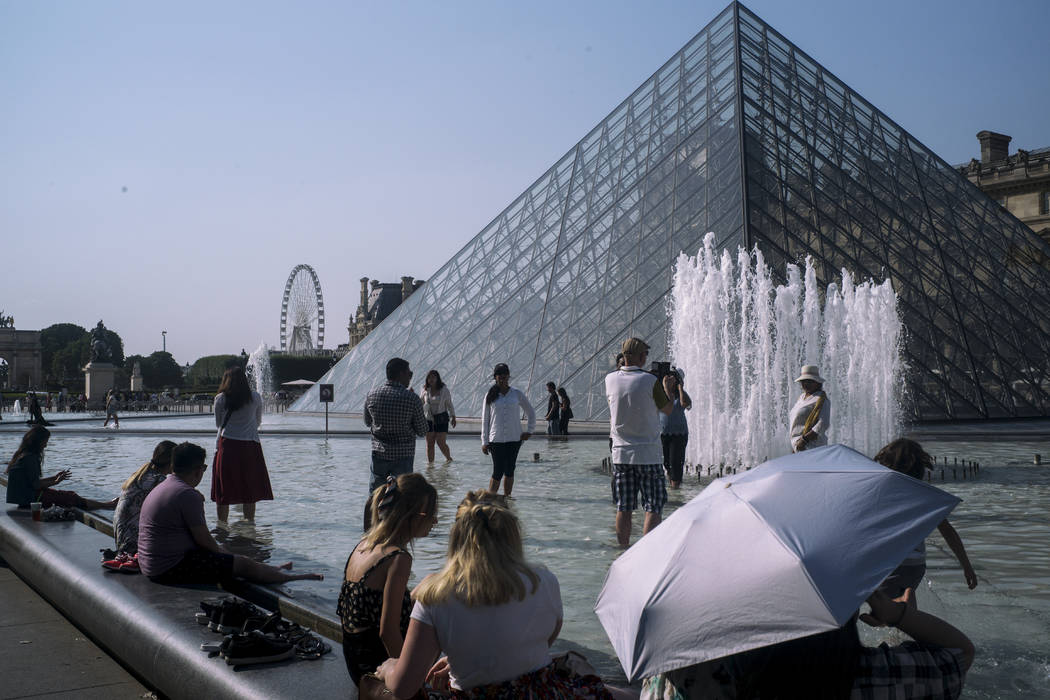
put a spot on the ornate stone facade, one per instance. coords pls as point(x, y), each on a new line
point(378, 300)
point(21, 350)
point(1020, 183)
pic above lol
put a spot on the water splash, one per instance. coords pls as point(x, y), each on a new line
point(740, 340)
point(260, 374)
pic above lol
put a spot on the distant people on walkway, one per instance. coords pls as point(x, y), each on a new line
point(175, 545)
point(836, 664)
point(112, 403)
point(25, 485)
point(134, 492)
point(636, 400)
point(239, 474)
point(908, 457)
point(439, 414)
point(810, 417)
point(674, 430)
point(493, 614)
point(553, 410)
point(394, 415)
point(374, 601)
point(566, 411)
point(501, 433)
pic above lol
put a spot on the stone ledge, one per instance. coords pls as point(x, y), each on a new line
point(151, 628)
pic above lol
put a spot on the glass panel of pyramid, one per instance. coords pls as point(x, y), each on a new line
point(742, 134)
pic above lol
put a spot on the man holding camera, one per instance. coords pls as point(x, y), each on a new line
point(636, 400)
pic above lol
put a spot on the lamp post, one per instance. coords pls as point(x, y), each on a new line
point(164, 341)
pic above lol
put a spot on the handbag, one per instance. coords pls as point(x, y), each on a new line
point(371, 688)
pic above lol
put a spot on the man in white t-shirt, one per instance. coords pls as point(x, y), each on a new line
point(636, 400)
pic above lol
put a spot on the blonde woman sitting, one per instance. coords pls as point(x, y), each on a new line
point(493, 614)
point(134, 492)
point(374, 602)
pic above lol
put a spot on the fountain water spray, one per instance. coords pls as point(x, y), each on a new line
point(740, 341)
point(260, 375)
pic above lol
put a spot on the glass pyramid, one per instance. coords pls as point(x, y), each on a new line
point(742, 134)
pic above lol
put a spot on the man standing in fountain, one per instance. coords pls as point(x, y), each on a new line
point(636, 400)
point(394, 415)
point(810, 417)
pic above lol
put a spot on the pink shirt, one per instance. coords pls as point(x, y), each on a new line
point(167, 515)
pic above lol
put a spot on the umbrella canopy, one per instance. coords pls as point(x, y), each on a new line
point(785, 550)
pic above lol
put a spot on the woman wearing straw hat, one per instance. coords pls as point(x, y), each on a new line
point(810, 417)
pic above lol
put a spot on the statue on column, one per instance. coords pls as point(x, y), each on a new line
point(100, 351)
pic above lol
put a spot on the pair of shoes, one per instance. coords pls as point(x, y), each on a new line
point(227, 614)
point(275, 626)
point(209, 608)
point(124, 563)
point(255, 648)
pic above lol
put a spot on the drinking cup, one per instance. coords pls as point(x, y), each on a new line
point(35, 506)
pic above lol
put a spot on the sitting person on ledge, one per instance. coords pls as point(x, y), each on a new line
point(133, 494)
point(932, 665)
point(175, 545)
point(492, 613)
point(26, 485)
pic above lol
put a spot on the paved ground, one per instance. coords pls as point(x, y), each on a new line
point(42, 655)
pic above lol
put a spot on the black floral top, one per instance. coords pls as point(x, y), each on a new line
point(361, 607)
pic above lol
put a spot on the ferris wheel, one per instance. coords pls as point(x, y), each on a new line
point(303, 308)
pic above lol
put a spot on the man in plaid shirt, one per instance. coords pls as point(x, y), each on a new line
point(394, 414)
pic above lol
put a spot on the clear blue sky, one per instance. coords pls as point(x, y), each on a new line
point(375, 139)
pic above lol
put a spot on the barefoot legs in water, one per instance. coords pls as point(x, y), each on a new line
point(264, 573)
point(442, 443)
point(223, 512)
point(508, 485)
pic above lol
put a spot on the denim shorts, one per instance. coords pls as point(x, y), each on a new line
point(439, 424)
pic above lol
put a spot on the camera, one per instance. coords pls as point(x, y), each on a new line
point(662, 369)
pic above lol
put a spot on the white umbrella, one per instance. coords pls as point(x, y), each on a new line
point(785, 550)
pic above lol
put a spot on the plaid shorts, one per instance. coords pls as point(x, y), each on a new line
point(629, 479)
point(908, 670)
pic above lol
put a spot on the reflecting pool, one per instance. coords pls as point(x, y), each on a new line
point(564, 503)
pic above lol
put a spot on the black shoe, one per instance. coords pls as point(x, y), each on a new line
point(258, 622)
point(257, 648)
point(232, 615)
point(212, 610)
point(276, 626)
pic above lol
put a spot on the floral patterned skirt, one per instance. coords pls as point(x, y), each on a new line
point(547, 683)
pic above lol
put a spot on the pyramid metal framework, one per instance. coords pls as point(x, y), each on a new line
point(743, 134)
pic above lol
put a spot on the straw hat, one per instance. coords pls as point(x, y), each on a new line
point(812, 373)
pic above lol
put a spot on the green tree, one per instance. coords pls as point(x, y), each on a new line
point(159, 370)
point(56, 355)
point(207, 371)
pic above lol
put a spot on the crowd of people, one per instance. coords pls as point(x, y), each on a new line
point(483, 625)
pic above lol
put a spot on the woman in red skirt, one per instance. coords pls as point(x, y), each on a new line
point(238, 470)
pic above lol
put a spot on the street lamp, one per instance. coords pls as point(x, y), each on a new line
point(164, 340)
